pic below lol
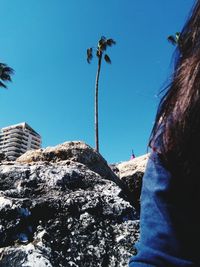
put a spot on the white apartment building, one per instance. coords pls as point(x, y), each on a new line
point(17, 139)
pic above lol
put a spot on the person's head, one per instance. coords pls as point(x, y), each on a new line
point(179, 109)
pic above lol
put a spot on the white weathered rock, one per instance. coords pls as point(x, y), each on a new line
point(129, 168)
point(5, 203)
point(78, 215)
point(131, 172)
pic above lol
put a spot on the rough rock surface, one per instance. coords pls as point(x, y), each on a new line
point(76, 151)
point(3, 157)
point(131, 172)
point(77, 214)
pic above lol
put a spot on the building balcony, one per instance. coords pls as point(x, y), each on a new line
point(12, 153)
point(12, 146)
point(16, 130)
point(35, 147)
point(35, 143)
point(19, 139)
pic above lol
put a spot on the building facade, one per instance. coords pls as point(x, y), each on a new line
point(17, 139)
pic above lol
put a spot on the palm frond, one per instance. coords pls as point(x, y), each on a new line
point(107, 59)
point(89, 54)
point(178, 38)
point(5, 74)
point(5, 77)
point(3, 85)
point(2, 65)
point(172, 40)
point(8, 70)
point(110, 42)
point(102, 44)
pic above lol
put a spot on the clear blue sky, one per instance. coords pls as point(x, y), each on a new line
point(45, 41)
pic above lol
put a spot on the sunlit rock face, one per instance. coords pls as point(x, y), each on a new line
point(131, 172)
point(64, 206)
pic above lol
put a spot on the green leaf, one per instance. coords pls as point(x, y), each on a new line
point(174, 39)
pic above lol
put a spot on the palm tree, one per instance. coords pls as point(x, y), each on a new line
point(5, 74)
point(103, 43)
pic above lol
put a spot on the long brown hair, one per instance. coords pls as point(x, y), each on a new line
point(177, 126)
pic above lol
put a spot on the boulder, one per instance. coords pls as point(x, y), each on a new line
point(58, 209)
point(131, 172)
point(76, 151)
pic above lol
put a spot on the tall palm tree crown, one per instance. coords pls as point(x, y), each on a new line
point(103, 43)
point(5, 74)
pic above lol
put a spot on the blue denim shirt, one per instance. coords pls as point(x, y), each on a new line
point(169, 228)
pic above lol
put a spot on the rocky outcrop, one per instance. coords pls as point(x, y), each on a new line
point(131, 172)
point(77, 152)
point(74, 151)
point(63, 206)
point(3, 157)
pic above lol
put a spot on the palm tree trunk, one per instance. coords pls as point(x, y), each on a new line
point(96, 105)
